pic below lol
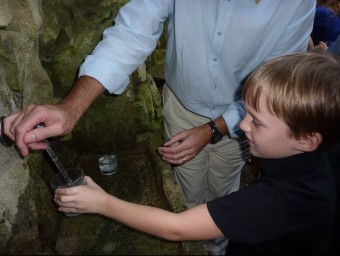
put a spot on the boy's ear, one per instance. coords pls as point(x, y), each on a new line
point(309, 143)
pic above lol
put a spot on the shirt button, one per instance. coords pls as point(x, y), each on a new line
point(215, 85)
point(219, 33)
point(214, 59)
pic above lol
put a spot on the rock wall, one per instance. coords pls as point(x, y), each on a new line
point(21, 76)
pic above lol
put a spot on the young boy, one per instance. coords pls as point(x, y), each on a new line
point(293, 110)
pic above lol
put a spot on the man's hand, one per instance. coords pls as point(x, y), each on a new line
point(19, 126)
point(185, 145)
point(58, 119)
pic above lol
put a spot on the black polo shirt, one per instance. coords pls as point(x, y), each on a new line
point(289, 210)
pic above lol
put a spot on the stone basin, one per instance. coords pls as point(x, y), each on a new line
point(139, 179)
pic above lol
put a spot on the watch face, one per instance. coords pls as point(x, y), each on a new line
point(216, 138)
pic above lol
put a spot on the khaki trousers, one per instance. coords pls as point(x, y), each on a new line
point(215, 171)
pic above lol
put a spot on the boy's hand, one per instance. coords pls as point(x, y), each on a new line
point(87, 198)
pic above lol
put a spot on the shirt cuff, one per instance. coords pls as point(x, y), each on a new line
point(233, 117)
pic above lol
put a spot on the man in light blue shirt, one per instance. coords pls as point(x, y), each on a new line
point(212, 47)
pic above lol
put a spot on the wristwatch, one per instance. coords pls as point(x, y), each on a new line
point(216, 135)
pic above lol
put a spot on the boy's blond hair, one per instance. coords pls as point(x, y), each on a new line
point(303, 90)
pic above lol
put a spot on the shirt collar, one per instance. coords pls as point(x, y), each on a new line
point(294, 164)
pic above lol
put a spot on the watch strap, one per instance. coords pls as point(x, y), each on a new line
point(213, 127)
point(216, 136)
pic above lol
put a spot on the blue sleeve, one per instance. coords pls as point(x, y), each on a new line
point(125, 46)
point(296, 35)
point(233, 117)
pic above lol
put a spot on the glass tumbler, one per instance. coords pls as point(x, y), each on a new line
point(58, 181)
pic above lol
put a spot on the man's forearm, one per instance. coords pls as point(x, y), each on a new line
point(84, 92)
point(222, 126)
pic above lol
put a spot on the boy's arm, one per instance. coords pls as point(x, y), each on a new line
point(193, 224)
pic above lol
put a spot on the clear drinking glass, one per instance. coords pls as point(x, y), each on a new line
point(58, 181)
point(108, 163)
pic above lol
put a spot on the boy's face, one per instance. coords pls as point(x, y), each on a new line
point(267, 134)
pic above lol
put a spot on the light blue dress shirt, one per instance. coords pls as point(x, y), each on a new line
point(212, 47)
